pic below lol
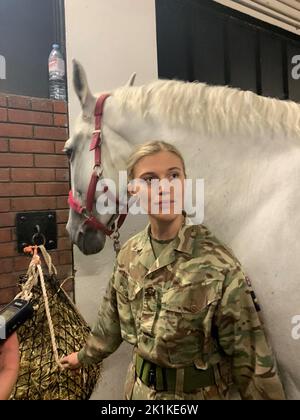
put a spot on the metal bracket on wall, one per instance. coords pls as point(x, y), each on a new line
point(36, 228)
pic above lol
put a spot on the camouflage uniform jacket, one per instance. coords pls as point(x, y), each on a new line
point(191, 305)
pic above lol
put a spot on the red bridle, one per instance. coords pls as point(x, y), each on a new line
point(86, 211)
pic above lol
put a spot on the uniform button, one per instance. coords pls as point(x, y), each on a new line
point(194, 308)
point(150, 291)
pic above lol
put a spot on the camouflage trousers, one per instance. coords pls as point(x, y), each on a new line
point(135, 389)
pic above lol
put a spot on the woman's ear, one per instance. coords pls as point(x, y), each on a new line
point(134, 187)
point(131, 189)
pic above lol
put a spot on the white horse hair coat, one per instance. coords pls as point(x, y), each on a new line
point(247, 150)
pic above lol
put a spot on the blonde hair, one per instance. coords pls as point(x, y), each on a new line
point(151, 148)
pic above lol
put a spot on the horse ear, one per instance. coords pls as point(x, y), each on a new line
point(131, 80)
point(81, 85)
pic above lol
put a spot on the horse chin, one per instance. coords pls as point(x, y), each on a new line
point(90, 242)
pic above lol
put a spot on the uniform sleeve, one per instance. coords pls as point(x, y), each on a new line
point(105, 336)
point(242, 337)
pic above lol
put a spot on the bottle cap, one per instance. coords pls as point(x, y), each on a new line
point(56, 46)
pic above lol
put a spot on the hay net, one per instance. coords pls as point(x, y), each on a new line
point(40, 377)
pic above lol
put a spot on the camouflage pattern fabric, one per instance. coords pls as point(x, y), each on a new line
point(191, 305)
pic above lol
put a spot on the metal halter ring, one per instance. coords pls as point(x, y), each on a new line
point(38, 234)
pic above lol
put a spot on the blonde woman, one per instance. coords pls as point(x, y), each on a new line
point(180, 297)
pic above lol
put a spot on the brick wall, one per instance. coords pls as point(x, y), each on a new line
point(34, 176)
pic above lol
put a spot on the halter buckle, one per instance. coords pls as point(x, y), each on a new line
point(98, 168)
point(85, 213)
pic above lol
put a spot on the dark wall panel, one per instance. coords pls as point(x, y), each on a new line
point(28, 28)
point(173, 40)
point(205, 41)
point(190, 42)
point(208, 45)
point(271, 61)
point(242, 55)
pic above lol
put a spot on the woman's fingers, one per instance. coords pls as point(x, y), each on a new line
point(64, 360)
point(70, 361)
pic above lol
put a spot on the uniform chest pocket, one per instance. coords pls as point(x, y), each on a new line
point(126, 286)
point(129, 295)
point(190, 299)
point(195, 292)
point(186, 316)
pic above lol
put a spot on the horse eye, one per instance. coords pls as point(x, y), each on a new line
point(68, 152)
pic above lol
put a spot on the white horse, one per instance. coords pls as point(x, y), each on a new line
point(247, 150)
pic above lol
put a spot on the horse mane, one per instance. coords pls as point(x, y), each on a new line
point(211, 110)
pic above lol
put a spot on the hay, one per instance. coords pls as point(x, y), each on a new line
point(40, 378)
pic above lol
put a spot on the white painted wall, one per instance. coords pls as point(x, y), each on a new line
point(112, 39)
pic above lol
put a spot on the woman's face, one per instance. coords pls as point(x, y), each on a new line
point(163, 197)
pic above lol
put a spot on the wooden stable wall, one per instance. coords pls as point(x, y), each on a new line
point(34, 176)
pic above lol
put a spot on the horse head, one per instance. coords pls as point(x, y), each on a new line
point(97, 152)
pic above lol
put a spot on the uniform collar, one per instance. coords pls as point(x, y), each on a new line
point(183, 243)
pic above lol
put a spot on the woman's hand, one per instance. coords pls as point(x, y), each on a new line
point(71, 361)
point(9, 365)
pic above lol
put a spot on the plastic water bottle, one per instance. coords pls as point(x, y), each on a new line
point(56, 67)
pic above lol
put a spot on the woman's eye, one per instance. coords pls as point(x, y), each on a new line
point(175, 175)
point(148, 179)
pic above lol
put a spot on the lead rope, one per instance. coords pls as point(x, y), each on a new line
point(48, 314)
point(117, 245)
point(34, 272)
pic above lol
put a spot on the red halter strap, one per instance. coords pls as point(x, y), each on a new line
point(97, 171)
